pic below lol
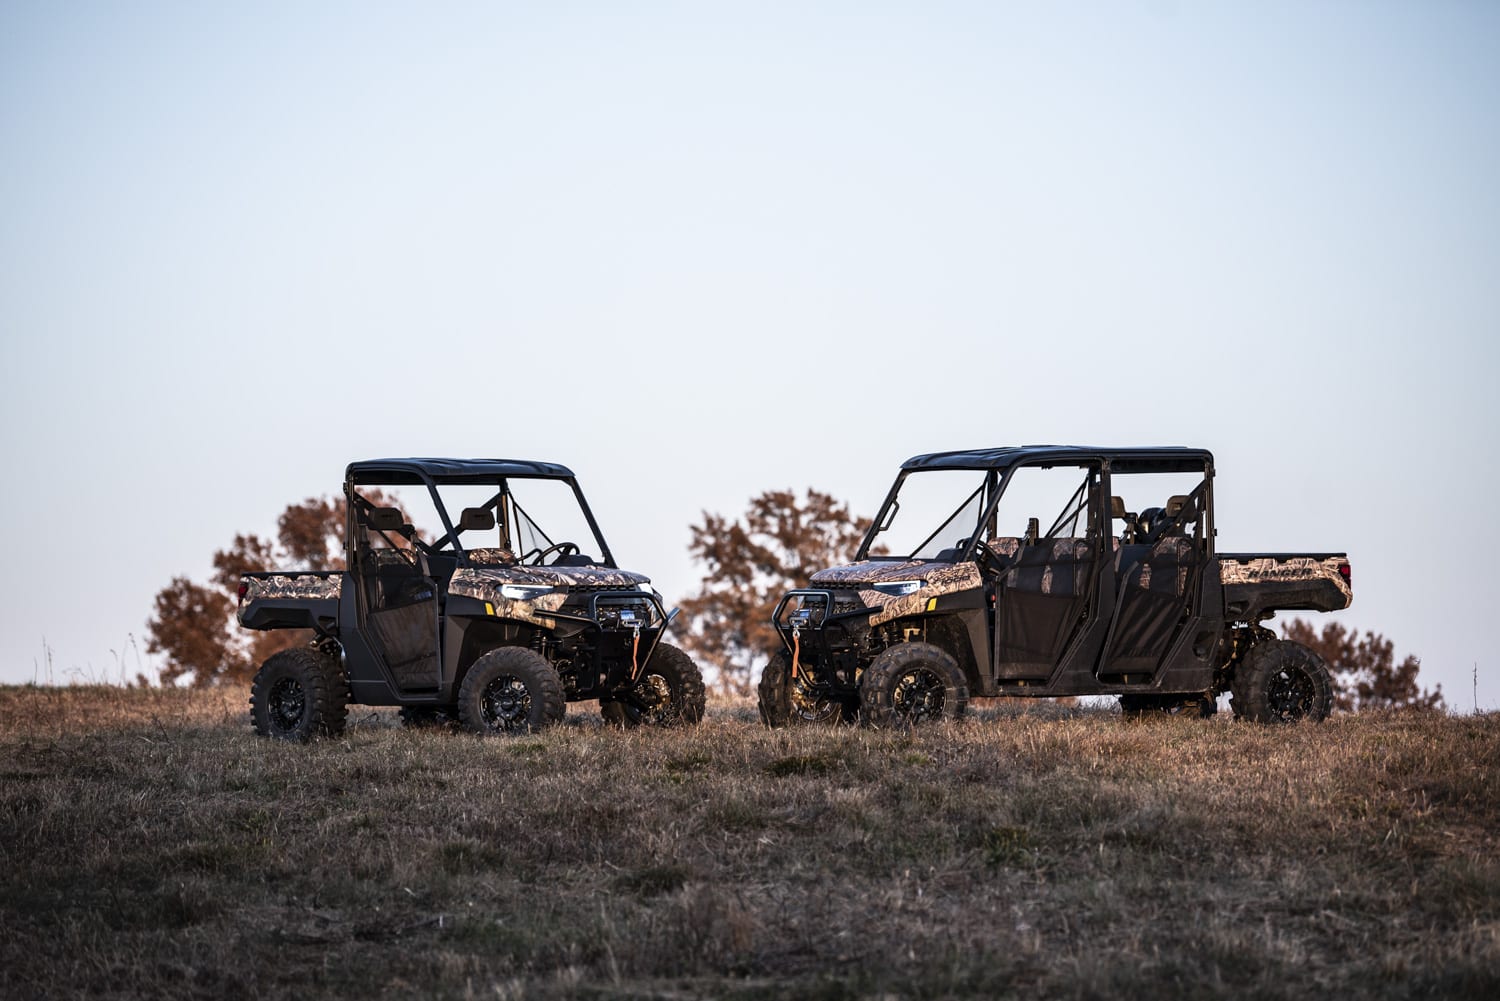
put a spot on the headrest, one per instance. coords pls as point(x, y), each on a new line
point(386, 519)
point(476, 519)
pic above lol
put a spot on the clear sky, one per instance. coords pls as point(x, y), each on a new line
point(700, 250)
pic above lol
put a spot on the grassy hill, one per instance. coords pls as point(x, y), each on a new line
point(151, 846)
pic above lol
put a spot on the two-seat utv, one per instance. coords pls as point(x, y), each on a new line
point(1050, 571)
point(478, 591)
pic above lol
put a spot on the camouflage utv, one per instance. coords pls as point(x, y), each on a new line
point(957, 591)
point(479, 592)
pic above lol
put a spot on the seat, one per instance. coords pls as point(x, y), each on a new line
point(1156, 523)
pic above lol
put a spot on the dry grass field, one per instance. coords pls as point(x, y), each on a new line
point(150, 846)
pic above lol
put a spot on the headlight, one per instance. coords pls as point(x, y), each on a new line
point(525, 592)
point(897, 588)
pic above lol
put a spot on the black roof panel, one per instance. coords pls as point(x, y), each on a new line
point(399, 471)
point(1167, 458)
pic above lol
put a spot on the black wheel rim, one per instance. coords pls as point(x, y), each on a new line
point(918, 695)
point(287, 704)
point(506, 704)
point(651, 701)
point(1290, 695)
point(811, 707)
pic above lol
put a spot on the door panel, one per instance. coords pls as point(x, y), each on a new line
point(402, 616)
point(1154, 586)
point(406, 638)
point(1040, 606)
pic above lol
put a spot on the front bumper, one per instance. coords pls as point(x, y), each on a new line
point(823, 632)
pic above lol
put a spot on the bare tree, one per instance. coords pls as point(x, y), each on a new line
point(750, 563)
point(1365, 670)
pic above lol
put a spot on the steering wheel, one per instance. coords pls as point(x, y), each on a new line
point(987, 558)
point(560, 548)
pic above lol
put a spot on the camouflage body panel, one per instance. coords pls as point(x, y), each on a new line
point(869, 572)
point(467, 578)
point(937, 579)
point(1287, 570)
point(484, 584)
point(491, 556)
point(287, 600)
point(306, 586)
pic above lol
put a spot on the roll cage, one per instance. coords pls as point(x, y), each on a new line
point(1000, 464)
point(500, 509)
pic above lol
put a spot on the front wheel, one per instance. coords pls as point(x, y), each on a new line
point(912, 683)
point(510, 690)
point(669, 692)
point(1282, 682)
point(299, 694)
point(787, 701)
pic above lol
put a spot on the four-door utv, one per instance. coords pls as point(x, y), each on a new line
point(476, 591)
point(1050, 571)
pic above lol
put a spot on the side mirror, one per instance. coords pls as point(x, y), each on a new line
point(385, 519)
point(476, 519)
point(1175, 504)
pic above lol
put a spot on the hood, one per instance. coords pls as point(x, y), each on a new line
point(484, 583)
point(936, 579)
point(875, 572)
point(553, 576)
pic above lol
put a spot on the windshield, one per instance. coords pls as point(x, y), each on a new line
point(541, 514)
point(517, 518)
point(933, 510)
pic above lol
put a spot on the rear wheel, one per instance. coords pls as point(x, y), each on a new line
point(510, 690)
point(1282, 682)
point(299, 694)
point(669, 692)
point(788, 701)
point(913, 683)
